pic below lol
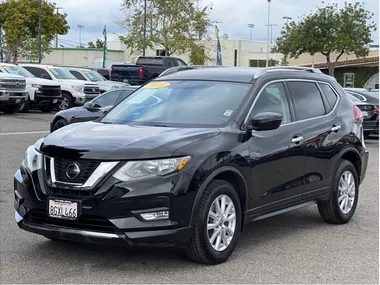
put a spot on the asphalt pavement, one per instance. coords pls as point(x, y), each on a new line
point(296, 247)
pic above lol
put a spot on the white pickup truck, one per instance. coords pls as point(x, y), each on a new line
point(42, 93)
point(12, 92)
point(74, 92)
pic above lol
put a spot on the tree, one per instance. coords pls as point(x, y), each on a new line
point(176, 25)
point(19, 19)
point(98, 44)
point(329, 31)
point(272, 62)
point(198, 55)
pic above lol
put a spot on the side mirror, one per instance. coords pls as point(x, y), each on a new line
point(106, 109)
point(265, 121)
point(87, 105)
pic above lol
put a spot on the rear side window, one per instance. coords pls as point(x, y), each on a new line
point(330, 95)
point(308, 102)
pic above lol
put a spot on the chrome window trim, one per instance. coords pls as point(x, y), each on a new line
point(102, 170)
point(290, 80)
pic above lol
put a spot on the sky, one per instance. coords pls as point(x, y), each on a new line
point(233, 18)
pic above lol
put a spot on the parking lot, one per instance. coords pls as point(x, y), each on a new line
point(297, 247)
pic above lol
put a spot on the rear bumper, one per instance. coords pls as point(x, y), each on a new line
point(371, 126)
point(364, 155)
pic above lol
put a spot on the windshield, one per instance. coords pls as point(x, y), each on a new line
point(17, 70)
point(94, 76)
point(180, 104)
point(61, 73)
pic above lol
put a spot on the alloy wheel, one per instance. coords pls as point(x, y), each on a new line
point(346, 192)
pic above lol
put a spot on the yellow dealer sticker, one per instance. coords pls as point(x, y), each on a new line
point(5, 67)
point(156, 85)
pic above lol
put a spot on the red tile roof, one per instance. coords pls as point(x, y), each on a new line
point(354, 61)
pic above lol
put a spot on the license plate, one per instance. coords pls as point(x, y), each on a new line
point(365, 114)
point(55, 101)
point(63, 209)
point(18, 100)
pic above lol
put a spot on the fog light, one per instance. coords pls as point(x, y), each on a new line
point(154, 216)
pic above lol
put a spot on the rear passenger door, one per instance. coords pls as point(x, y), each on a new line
point(314, 106)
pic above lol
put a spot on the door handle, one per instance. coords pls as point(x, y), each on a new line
point(297, 139)
point(335, 128)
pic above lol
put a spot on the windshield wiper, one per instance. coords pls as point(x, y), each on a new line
point(160, 125)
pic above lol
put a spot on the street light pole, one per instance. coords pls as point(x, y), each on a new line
point(56, 36)
point(144, 29)
point(267, 62)
point(1, 45)
point(80, 34)
point(39, 32)
point(251, 26)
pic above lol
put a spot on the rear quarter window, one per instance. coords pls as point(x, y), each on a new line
point(150, 61)
point(330, 96)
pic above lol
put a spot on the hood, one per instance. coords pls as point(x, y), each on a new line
point(94, 140)
point(41, 81)
point(76, 82)
point(11, 76)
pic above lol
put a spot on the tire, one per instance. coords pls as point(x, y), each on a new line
point(25, 107)
point(59, 124)
point(11, 109)
point(330, 210)
point(200, 248)
point(67, 102)
point(47, 109)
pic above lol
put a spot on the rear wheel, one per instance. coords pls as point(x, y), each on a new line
point(217, 225)
point(67, 102)
point(59, 124)
point(344, 195)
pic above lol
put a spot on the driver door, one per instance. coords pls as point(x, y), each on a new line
point(276, 156)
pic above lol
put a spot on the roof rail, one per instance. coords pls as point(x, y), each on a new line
point(187, 67)
point(265, 70)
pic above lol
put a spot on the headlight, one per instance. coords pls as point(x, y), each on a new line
point(36, 86)
point(33, 159)
point(78, 88)
point(134, 170)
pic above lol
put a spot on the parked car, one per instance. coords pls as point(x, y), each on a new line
point(93, 76)
point(74, 92)
point(145, 69)
point(370, 115)
point(187, 67)
point(190, 158)
point(13, 92)
point(43, 94)
point(365, 95)
point(91, 110)
point(105, 72)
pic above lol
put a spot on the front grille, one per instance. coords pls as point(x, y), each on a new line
point(84, 222)
point(13, 84)
point(53, 91)
point(91, 90)
point(87, 167)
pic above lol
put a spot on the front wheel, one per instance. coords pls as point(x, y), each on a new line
point(344, 195)
point(217, 224)
point(59, 124)
point(66, 103)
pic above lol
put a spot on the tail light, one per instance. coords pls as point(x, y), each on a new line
point(141, 73)
point(357, 113)
point(375, 110)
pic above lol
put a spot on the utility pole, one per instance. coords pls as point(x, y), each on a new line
point(267, 62)
point(251, 26)
point(144, 29)
point(39, 31)
point(80, 34)
point(56, 36)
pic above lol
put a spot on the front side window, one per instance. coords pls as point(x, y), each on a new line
point(180, 104)
point(273, 99)
point(77, 75)
point(107, 99)
point(38, 72)
point(308, 102)
point(94, 76)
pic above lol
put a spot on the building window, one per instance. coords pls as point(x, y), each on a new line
point(257, 63)
point(235, 57)
point(160, 52)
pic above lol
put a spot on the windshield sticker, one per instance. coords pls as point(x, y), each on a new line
point(156, 85)
point(228, 113)
point(86, 72)
point(5, 67)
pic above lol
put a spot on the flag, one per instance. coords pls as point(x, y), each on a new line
point(218, 48)
point(105, 46)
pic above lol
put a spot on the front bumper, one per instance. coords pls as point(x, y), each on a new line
point(46, 100)
point(112, 218)
point(12, 98)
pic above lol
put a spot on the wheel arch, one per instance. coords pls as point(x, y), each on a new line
point(352, 155)
point(231, 175)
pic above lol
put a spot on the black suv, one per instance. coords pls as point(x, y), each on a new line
point(192, 157)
